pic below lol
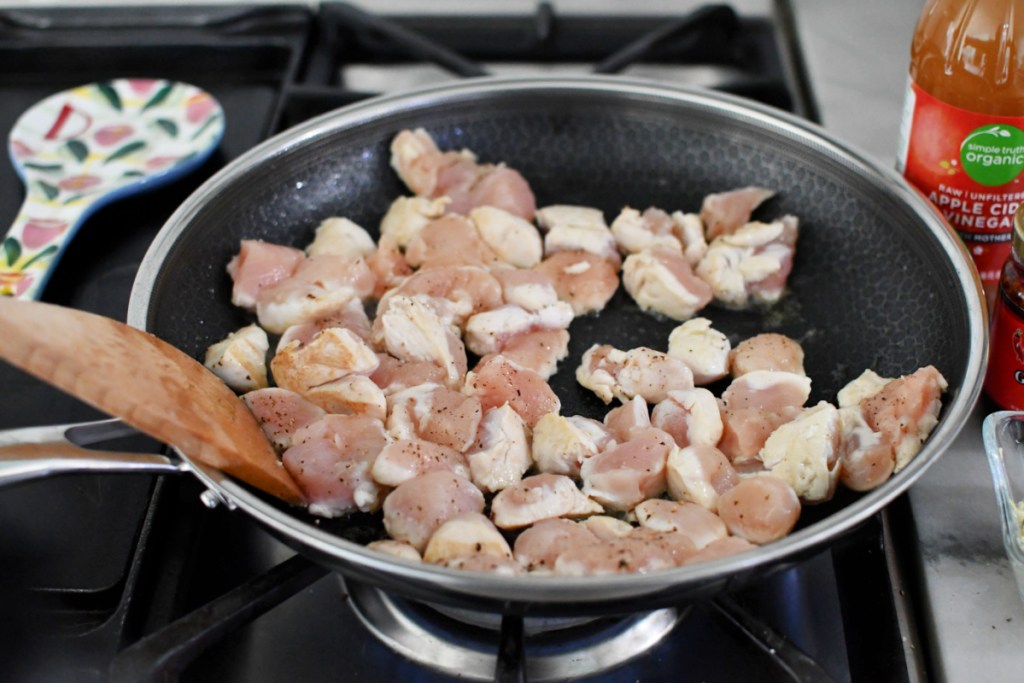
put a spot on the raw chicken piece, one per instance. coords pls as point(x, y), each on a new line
point(704, 349)
point(690, 231)
point(584, 281)
point(868, 384)
point(428, 171)
point(768, 351)
point(350, 395)
point(652, 374)
point(417, 160)
point(240, 359)
point(538, 547)
point(725, 212)
point(451, 240)
point(699, 474)
point(388, 265)
point(660, 280)
point(607, 528)
point(419, 506)
point(628, 473)
point(539, 350)
point(611, 373)
point(341, 237)
point(751, 264)
point(490, 331)
point(489, 564)
point(458, 291)
point(320, 286)
point(598, 370)
point(501, 453)
point(905, 411)
point(402, 460)
point(330, 461)
point(561, 444)
point(755, 405)
point(641, 551)
point(351, 316)
point(412, 330)
point(467, 534)
point(744, 431)
point(434, 413)
point(257, 265)
point(867, 459)
point(334, 353)
point(805, 453)
point(767, 390)
point(498, 186)
point(635, 232)
point(497, 380)
point(525, 287)
point(568, 214)
point(690, 416)
point(578, 228)
point(695, 522)
point(628, 419)
point(280, 413)
point(541, 496)
point(677, 545)
point(760, 509)
point(408, 215)
point(394, 374)
point(722, 548)
point(396, 549)
point(512, 239)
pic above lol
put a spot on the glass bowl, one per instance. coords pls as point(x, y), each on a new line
point(1003, 434)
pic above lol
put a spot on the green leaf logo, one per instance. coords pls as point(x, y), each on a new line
point(993, 154)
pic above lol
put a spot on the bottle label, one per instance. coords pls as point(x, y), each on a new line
point(970, 166)
point(1004, 382)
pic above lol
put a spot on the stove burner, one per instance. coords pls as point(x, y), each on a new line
point(463, 643)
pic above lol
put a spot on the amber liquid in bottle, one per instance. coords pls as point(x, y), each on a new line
point(968, 54)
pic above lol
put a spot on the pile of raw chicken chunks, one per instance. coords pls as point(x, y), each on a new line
point(475, 467)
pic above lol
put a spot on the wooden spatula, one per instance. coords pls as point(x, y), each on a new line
point(146, 382)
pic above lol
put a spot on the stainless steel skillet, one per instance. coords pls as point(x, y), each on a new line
point(879, 282)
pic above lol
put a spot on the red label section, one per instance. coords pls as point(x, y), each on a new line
point(932, 156)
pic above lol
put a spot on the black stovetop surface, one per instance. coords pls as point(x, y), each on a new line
point(98, 570)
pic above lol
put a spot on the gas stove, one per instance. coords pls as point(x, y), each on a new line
point(133, 578)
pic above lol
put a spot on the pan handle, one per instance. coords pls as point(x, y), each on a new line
point(38, 452)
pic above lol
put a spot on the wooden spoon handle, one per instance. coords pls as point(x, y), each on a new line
point(146, 382)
